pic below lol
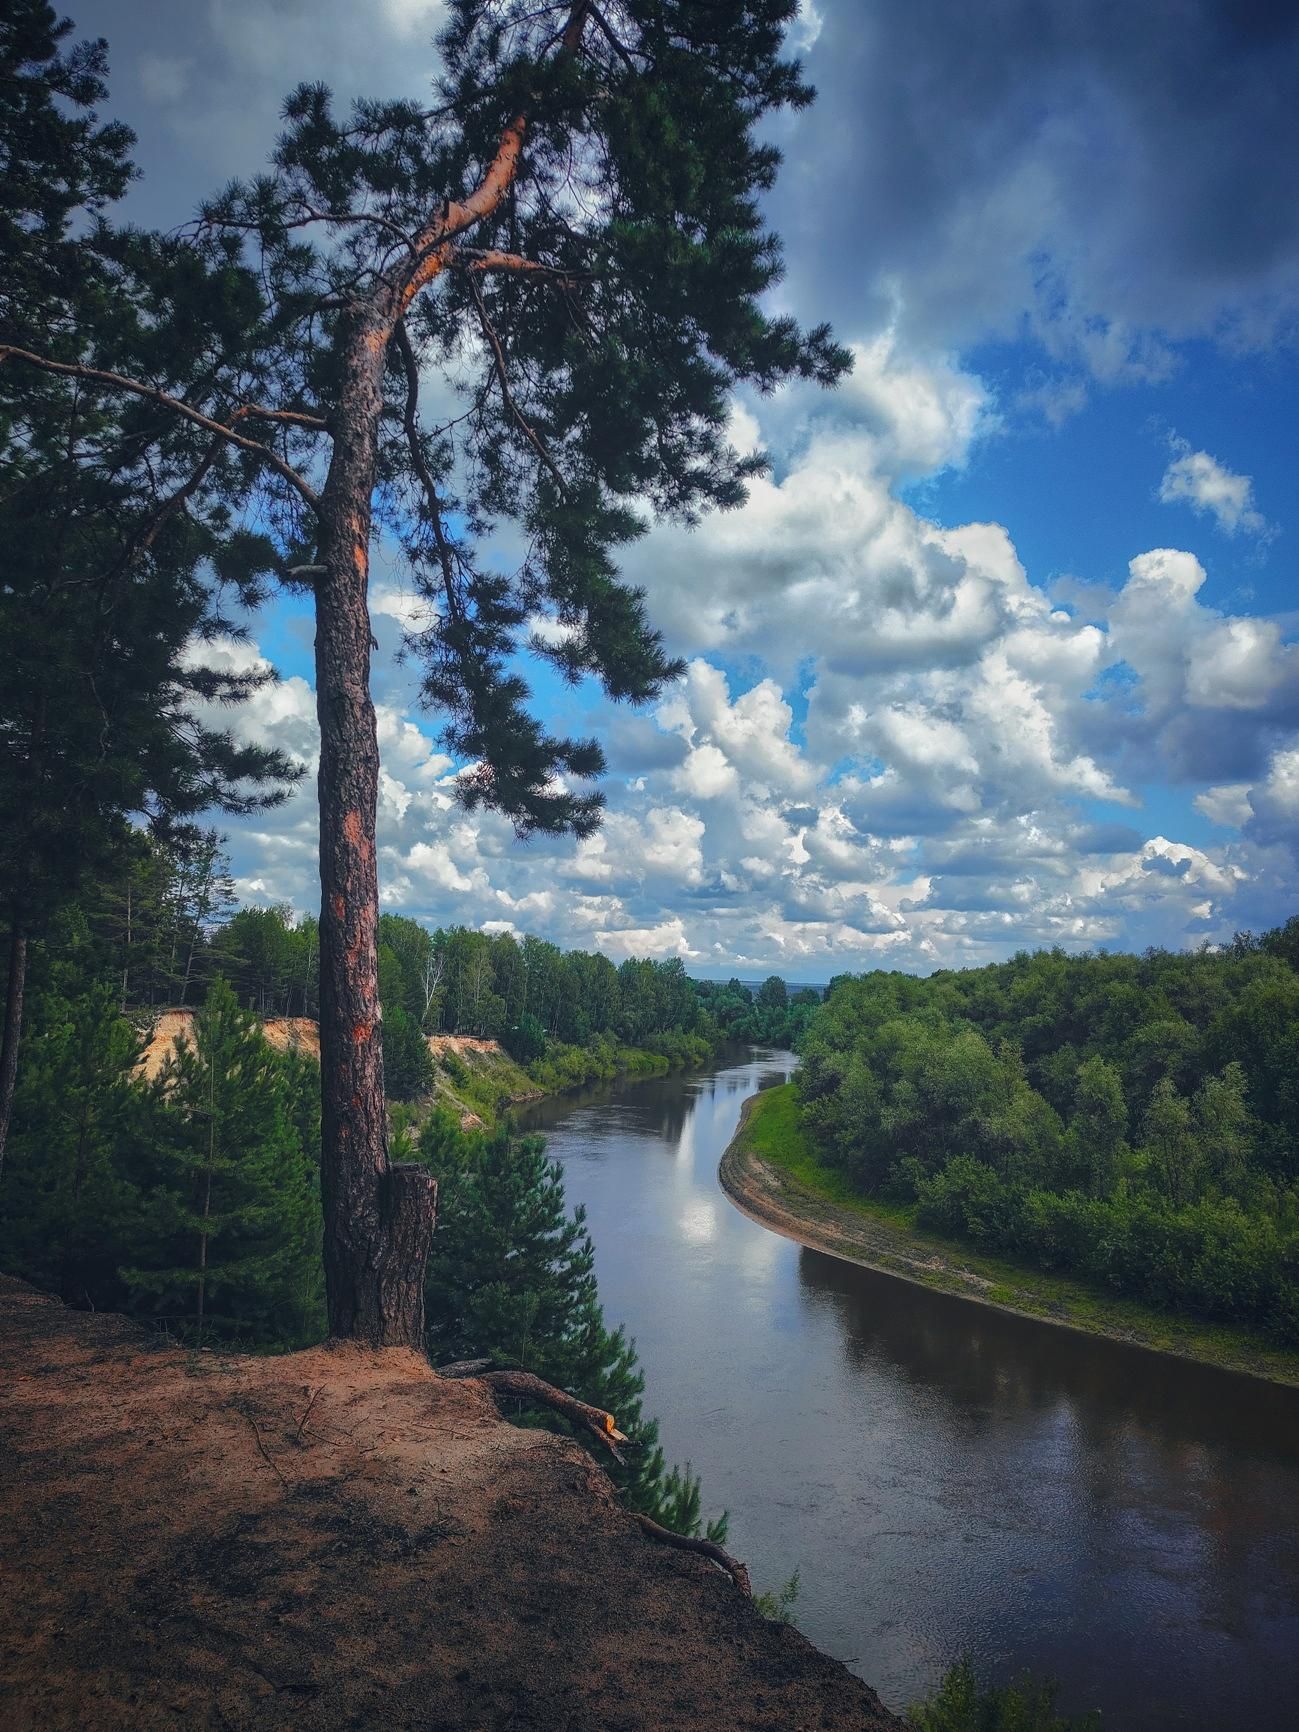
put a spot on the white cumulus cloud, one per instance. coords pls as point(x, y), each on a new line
point(1194, 478)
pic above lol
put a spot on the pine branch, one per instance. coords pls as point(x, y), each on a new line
point(151, 393)
point(446, 556)
point(432, 244)
point(498, 359)
point(615, 42)
point(481, 259)
point(292, 417)
point(148, 534)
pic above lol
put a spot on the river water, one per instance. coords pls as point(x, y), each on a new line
point(946, 1478)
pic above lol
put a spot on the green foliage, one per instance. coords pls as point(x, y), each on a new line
point(1002, 1101)
point(229, 1224)
point(525, 1040)
point(107, 593)
point(1028, 1705)
point(70, 1201)
point(407, 1062)
point(512, 1278)
point(778, 1603)
point(270, 960)
point(771, 1018)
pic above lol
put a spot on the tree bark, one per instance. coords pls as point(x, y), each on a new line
point(705, 1548)
point(13, 1025)
point(378, 1219)
point(526, 1386)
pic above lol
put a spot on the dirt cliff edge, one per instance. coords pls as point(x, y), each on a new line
point(341, 1538)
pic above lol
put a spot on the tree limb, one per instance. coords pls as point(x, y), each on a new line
point(498, 359)
point(142, 542)
point(151, 393)
point(737, 1571)
point(457, 215)
point(526, 1387)
point(446, 557)
point(293, 417)
point(615, 42)
point(493, 259)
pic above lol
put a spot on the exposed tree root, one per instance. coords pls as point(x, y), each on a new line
point(737, 1571)
point(525, 1387)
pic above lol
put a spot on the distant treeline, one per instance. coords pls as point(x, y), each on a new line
point(1134, 1119)
point(166, 924)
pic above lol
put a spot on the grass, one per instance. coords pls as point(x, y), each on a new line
point(883, 1235)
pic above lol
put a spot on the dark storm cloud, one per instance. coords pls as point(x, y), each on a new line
point(202, 82)
point(1111, 172)
point(1100, 166)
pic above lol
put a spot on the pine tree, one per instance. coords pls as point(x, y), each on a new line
point(230, 1214)
point(407, 1062)
point(70, 1205)
point(597, 353)
point(512, 1277)
point(112, 518)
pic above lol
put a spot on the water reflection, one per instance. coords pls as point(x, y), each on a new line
point(949, 1478)
point(981, 1358)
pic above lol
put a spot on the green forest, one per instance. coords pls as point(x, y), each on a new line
point(1133, 1120)
point(191, 1197)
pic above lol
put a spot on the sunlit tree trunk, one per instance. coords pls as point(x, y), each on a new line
point(378, 1217)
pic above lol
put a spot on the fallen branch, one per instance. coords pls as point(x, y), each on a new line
point(262, 1447)
point(307, 1415)
point(706, 1548)
point(525, 1387)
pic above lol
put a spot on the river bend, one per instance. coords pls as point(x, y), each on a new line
point(947, 1478)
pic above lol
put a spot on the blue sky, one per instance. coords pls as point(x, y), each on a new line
point(1002, 652)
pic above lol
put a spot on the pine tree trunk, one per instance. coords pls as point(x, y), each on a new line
point(13, 1025)
point(126, 954)
point(378, 1218)
point(207, 1193)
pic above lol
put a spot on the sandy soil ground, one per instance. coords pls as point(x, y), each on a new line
point(342, 1539)
point(461, 1043)
point(282, 1032)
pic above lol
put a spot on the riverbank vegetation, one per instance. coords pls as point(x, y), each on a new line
point(771, 1016)
point(773, 1171)
point(960, 1704)
point(1132, 1121)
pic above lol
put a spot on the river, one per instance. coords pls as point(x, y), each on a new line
point(946, 1478)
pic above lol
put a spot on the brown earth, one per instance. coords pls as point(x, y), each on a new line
point(282, 1032)
point(303, 1034)
point(462, 1043)
point(342, 1539)
point(293, 1034)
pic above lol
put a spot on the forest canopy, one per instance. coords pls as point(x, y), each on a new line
point(1134, 1119)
